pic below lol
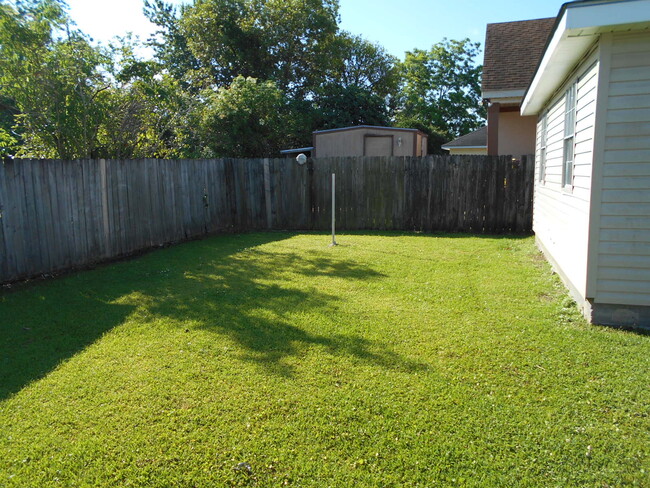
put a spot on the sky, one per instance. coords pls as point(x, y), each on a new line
point(398, 25)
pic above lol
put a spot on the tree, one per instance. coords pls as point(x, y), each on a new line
point(358, 62)
point(55, 81)
point(440, 88)
point(170, 44)
point(344, 106)
point(151, 115)
point(149, 118)
point(8, 143)
point(22, 26)
point(359, 83)
point(8, 136)
point(243, 120)
point(278, 40)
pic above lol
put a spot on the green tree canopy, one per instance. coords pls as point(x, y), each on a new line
point(151, 114)
point(278, 40)
point(243, 120)
point(238, 78)
point(170, 43)
point(358, 62)
point(361, 80)
point(54, 79)
point(441, 89)
point(344, 106)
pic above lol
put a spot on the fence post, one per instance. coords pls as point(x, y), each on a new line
point(333, 209)
point(103, 181)
point(267, 193)
point(311, 198)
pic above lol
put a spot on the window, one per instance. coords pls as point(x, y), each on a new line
point(569, 130)
point(542, 149)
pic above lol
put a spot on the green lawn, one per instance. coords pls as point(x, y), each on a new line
point(274, 360)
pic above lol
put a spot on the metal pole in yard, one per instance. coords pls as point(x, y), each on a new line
point(333, 209)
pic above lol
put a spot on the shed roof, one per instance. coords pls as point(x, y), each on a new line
point(374, 127)
point(475, 139)
point(512, 52)
point(297, 150)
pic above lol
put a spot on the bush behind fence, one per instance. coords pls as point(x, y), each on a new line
point(57, 215)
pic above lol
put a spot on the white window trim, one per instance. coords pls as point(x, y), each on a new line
point(570, 110)
point(542, 148)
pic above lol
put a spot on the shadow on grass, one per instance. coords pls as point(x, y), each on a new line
point(444, 234)
point(254, 296)
point(46, 324)
point(227, 285)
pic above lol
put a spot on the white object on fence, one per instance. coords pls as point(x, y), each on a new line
point(333, 209)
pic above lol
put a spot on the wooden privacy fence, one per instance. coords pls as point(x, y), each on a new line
point(57, 215)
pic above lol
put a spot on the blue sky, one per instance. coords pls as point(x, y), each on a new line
point(406, 24)
point(398, 25)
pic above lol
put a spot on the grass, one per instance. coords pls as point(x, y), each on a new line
point(274, 360)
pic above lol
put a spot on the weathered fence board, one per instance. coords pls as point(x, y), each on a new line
point(5, 265)
point(55, 215)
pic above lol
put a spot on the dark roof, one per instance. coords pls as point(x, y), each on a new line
point(512, 53)
point(478, 138)
point(297, 150)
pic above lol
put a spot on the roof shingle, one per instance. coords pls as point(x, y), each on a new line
point(512, 52)
point(477, 138)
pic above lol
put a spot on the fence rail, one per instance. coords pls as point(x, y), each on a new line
point(57, 215)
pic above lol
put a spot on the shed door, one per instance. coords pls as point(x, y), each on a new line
point(378, 146)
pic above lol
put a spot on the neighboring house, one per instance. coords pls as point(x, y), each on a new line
point(591, 97)
point(368, 140)
point(512, 52)
point(472, 143)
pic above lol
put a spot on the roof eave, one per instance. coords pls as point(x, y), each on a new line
point(373, 127)
point(504, 95)
point(447, 148)
point(297, 150)
point(577, 29)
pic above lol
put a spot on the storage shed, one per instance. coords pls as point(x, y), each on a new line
point(368, 140)
point(591, 95)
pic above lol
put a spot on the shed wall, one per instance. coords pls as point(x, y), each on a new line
point(351, 142)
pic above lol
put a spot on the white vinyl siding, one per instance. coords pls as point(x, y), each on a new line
point(623, 272)
point(554, 136)
point(561, 217)
point(583, 156)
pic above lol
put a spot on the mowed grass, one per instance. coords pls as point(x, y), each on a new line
point(274, 360)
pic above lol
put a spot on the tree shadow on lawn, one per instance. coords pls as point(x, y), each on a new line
point(253, 299)
point(48, 322)
point(224, 284)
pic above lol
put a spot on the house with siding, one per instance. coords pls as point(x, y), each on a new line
point(590, 96)
point(512, 52)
